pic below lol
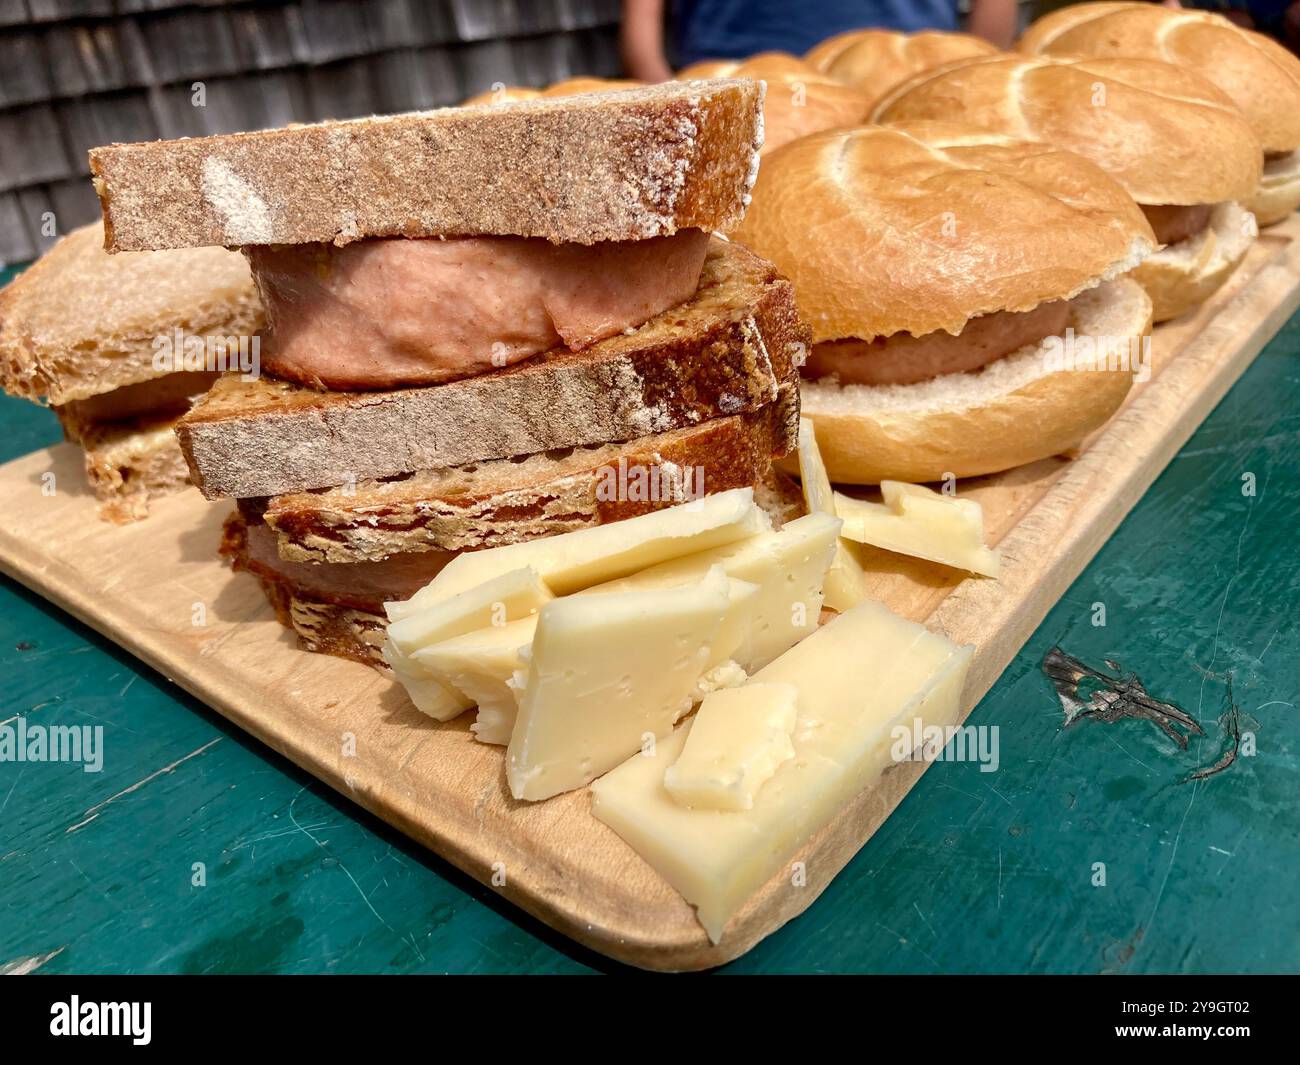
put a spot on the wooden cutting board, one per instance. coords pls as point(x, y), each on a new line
point(158, 589)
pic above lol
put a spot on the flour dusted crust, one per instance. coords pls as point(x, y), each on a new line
point(725, 351)
point(1166, 134)
point(1260, 76)
point(626, 165)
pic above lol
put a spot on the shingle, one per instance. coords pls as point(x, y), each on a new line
point(191, 45)
point(94, 120)
point(39, 153)
point(75, 203)
point(269, 38)
point(59, 10)
point(16, 245)
point(24, 75)
point(13, 13)
point(336, 29)
point(342, 90)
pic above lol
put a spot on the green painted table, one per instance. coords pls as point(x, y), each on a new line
point(975, 872)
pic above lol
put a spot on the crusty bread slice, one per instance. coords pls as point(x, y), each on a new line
point(504, 501)
point(353, 626)
point(725, 351)
point(128, 464)
point(81, 322)
point(627, 165)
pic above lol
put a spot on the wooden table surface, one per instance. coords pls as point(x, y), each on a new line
point(975, 872)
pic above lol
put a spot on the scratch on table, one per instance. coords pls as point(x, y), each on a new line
point(12, 786)
point(127, 686)
point(904, 941)
point(23, 966)
point(38, 706)
point(94, 811)
point(924, 921)
point(346, 871)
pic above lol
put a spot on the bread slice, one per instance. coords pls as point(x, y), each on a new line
point(725, 351)
point(504, 501)
point(81, 322)
point(353, 625)
point(128, 464)
point(627, 165)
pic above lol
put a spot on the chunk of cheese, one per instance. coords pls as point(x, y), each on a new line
point(858, 676)
point(737, 740)
point(577, 560)
point(607, 674)
point(484, 664)
point(481, 664)
point(846, 581)
point(788, 566)
point(506, 597)
point(914, 520)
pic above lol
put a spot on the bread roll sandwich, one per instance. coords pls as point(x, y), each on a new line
point(874, 61)
point(484, 325)
point(799, 100)
point(965, 291)
point(1260, 76)
point(96, 336)
point(1174, 141)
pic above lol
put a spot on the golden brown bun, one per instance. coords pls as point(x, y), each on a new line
point(799, 101)
point(761, 65)
point(877, 60)
point(1018, 409)
point(1260, 76)
point(1279, 190)
point(1166, 134)
point(1183, 275)
point(920, 227)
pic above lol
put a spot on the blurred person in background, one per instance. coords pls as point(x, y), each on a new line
point(735, 29)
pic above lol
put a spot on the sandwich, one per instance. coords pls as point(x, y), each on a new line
point(874, 61)
point(1179, 146)
point(799, 100)
point(1259, 75)
point(966, 293)
point(120, 345)
point(485, 325)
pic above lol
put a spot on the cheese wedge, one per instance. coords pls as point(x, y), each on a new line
point(788, 566)
point(608, 674)
point(576, 560)
point(737, 740)
point(858, 676)
point(914, 520)
point(509, 596)
point(481, 664)
point(484, 664)
point(846, 580)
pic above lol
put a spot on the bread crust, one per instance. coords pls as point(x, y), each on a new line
point(80, 322)
point(1166, 134)
point(874, 61)
point(726, 351)
point(920, 227)
point(1260, 76)
point(597, 166)
point(507, 501)
point(1186, 274)
point(1279, 190)
point(1015, 411)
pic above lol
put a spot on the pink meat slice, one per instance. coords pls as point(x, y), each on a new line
point(904, 359)
point(395, 312)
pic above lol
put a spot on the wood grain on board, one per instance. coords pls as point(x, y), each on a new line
point(145, 585)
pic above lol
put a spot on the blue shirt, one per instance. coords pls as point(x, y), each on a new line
point(733, 29)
